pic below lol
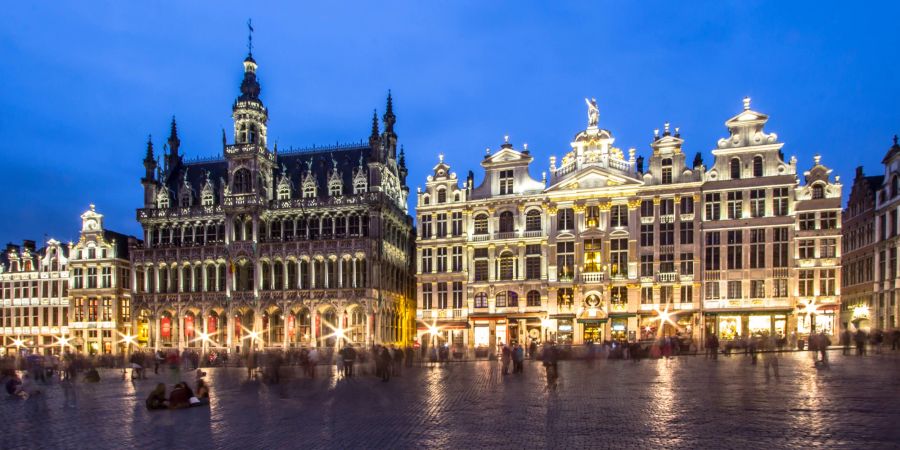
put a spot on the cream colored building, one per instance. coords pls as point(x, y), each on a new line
point(603, 248)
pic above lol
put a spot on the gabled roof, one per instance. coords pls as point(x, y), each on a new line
point(593, 177)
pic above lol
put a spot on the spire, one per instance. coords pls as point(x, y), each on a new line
point(401, 161)
point(224, 142)
point(149, 157)
point(173, 141)
point(389, 118)
point(374, 124)
point(149, 161)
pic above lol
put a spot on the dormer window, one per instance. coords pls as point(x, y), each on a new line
point(360, 187)
point(456, 197)
point(284, 193)
point(735, 168)
point(667, 171)
point(162, 201)
point(309, 191)
point(818, 191)
point(895, 186)
point(442, 196)
point(426, 200)
point(334, 190)
point(207, 199)
point(757, 166)
point(506, 182)
point(185, 200)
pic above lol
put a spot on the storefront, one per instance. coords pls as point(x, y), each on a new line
point(734, 326)
point(822, 320)
point(618, 328)
point(592, 330)
point(565, 331)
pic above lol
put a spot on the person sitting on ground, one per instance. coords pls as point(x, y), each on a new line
point(202, 390)
point(157, 398)
point(180, 397)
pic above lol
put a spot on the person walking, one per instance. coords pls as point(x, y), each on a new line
point(385, 358)
point(770, 360)
point(505, 357)
point(313, 358)
point(519, 359)
point(823, 343)
point(845, 341)
point(860, 342)
point(348, 355)
point(550, 358)
point(712, 346)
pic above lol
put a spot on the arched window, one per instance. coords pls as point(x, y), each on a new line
point(481, 224)
point(442, 196)
point(757, 166)
point(242, 182)
point(426, 200)
point(481, 300)
point(666, 177)
point(506, 222)
point(208, 198)
point(456, 197)
point(534, 298)
point(533, 220)
point(818, 191)
point(512, 299)
point(735, 169)
point(895, 186)
point(500, 300)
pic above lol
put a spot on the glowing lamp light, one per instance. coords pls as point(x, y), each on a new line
point(861, 312)
point(18, 342)
point(62, 341)
point(203, 336)
point(128, 339)
point(252, 336)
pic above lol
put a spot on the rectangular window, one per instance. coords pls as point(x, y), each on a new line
point(807, 221)
point(592, 255)
point(565, 260)
point(565, 219)
point(780, 201)
point(686, 264)
point(426, 226)
point(426, 296)
point(687, 205)
point(735, 249)
point(667, 263)
point(481, 270)
point(442, 259)
point(457, 259)
point(78, 279)
point(666, 294)
point(686, 232)
point(618, 216)
point(457, 295)
point(713, 206)
point(646, 208)
point(107, 312)
point(647, 235)
point(711, 290)
point(757, 248)
point(442, 225)
point(806, 248)
point(533, 267)
point(124, 309)
point(646, 265)
point(506, 182)
point(457, 224)
point(757, 288)
point(735, 204)
point(757, 203)
point(427, 260)
point(106, 278)
point(92, 309)
point(805, 282)
point(713, 258)
point(667, 233)
point(92, 278)
point(734, 290)
point(667, 207)
point(687, 293)
point(646, 295)
point(442, 295)
point(780, 247)
point(826, 282)
point(828, 221)
point(618, 257)
point(592, 216)
point(780, 287)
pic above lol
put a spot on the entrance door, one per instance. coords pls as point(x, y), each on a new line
point(592, 332)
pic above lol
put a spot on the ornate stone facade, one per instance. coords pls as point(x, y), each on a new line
point(604, 249)
point(268, 248)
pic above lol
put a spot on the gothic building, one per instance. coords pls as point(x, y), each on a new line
point(605, 248)
point(264, 248)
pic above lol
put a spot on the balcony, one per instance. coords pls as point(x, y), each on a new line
point(532, 233)
point(687, 278)
point(667, 218)
point(480, 237)
point(687, 306)
point(747, 303)
point(781, 272)
point(712, 275)
point(505, 235)
point(647, 220)
point(593, 277)
point(666, 277)
point(687, 217)
point(666, 249)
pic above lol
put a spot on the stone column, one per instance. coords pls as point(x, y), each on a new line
point(180, 330)
point(353, 281)
point(156, 327)
point(340, 274)
point(229, 329)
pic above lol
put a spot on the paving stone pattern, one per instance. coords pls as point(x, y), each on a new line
point(686, 402)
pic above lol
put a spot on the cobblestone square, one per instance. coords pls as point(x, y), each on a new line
point(685, 402)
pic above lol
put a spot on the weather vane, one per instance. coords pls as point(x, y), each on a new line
point(250, 36)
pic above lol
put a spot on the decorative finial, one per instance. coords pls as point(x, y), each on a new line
point(746, 103)
point(677, 132)
point(895, 139)
point(250, 37)
point(525, 146)
point(441, 157)
point(92, 207)
point(506, 139)
point(666, 128)
point(656, 133)
point(817, 158)
point(487, 151)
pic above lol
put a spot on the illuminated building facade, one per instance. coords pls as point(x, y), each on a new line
point(883, 308)
point(100, 288)
point(34, 298)
point(604, 249)
point(275, 249)
point(858, 259)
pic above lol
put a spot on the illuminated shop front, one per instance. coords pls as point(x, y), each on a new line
point(592, 330)
point(618, 328)
point(822, 320)
point(735, 326)
point(672, 324)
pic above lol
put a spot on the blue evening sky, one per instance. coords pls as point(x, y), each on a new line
point(83, 83)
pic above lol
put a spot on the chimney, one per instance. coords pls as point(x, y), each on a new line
point(859, 171)
point(29, 245)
